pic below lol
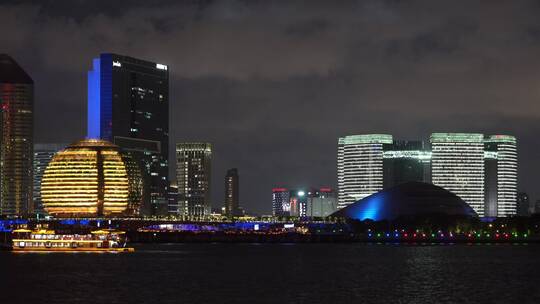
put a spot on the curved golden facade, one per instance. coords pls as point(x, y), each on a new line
point(87, 179)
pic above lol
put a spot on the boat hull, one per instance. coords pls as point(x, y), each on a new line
point(87, 250)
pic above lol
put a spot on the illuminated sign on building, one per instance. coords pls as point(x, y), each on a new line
point(161, 66)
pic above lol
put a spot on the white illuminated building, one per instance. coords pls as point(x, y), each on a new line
point(504, 149)
point(360, 166)
point(457, 164)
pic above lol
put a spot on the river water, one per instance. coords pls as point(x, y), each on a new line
point(278, 273)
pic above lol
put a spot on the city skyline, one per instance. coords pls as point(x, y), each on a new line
point(269, 151)
point(337, 94)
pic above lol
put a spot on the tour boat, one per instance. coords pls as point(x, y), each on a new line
point(106, 240)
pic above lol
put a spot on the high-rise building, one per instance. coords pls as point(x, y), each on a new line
point(16, 139)
point(523, 204)
point(406, 161)
point(360, 166)
point(128, 104)
point(298, 200)
point(458, 165)
point(43, 154)
point(232, 193)
point(138, 191)
point(504, 149)
point(321, 203)
point(193, 175)
point(280, 202)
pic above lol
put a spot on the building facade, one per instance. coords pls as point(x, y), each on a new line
point(504, 149)
point(280, 202)
point(458, 166)
point(322, 203)
point(360, 166)
point(232, 193)
point(406, 161)
point(128, 104)
point(138, 190)
point(43, 154)
point(16, 139)
point(298, 200)
point(523, 204)
point(86, 179)
point(193, 175)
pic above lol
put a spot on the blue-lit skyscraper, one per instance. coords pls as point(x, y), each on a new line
point(128, 104)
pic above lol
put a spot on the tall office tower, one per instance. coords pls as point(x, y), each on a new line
point(193, 175)
point(490, 181)
point(360, 166)
point(523, 204)
point(43, 154)
point(504, 148)
point(457, 165)
point(16, 139)
point(128, 104)
point(406, 161)
point(232, 193)
point(280, 202)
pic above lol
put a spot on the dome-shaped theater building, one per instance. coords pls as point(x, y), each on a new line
point(87, 179)
point(411, 199)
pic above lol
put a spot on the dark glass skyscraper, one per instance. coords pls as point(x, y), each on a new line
point(232, 194)
point(193, 175)
point(128, 104)
point(16, 138)
point(406, 161)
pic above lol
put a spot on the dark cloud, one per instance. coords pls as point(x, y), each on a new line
point(274, 83)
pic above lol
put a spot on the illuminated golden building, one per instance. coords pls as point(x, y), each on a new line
point(87, 179)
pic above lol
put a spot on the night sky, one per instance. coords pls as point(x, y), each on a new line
point(273, 84)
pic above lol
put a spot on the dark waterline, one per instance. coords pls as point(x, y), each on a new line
point(278, 273)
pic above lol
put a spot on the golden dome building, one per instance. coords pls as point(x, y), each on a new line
point(87, 179)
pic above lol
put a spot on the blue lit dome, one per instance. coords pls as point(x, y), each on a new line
point(407, 200)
